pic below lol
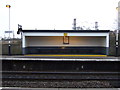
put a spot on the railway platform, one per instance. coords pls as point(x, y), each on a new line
point(61, 57)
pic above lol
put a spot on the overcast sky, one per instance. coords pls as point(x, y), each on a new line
point(57, 14)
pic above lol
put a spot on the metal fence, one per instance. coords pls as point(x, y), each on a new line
point(15, 49)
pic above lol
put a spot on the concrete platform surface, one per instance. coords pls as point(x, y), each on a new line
point(61, 58)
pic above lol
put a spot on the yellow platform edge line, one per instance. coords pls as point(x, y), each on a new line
point(71, 55)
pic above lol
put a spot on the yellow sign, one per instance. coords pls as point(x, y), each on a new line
point(65, 34)
point(66, 38)
point(8, 6)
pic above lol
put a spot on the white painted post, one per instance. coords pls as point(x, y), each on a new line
point(107, 44)
point(23, 44)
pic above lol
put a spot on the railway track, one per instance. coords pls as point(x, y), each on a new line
point(94, 77)
point(28, 75)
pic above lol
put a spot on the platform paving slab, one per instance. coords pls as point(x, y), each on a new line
point(61, 58)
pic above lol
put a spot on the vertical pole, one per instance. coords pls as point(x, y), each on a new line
point(117, 34)
point(23, 45)
point(74, 24)
point(9, 22)
point(96, 25)
point(107, 45)
point(117, 31)
point(116, 43)
point(9, 48)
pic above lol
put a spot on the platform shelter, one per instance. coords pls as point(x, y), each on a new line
point(80, 42)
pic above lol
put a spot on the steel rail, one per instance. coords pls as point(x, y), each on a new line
point(61, 75)
point(56, 72)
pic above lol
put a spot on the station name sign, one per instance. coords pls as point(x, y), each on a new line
point(8, 31)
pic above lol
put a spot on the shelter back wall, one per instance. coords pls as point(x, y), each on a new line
point(58, 41)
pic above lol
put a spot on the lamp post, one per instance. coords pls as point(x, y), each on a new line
point(117, 31)
point(117, 44)
point(9, 47)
